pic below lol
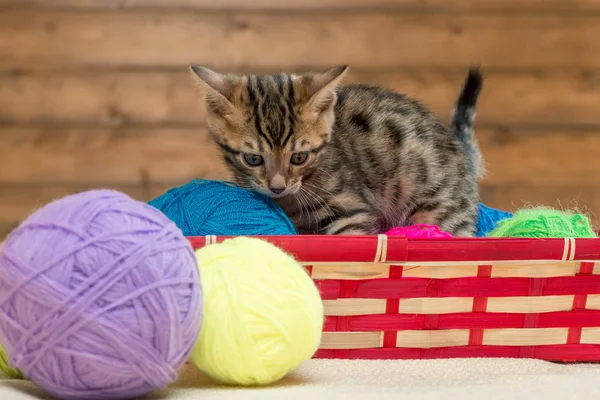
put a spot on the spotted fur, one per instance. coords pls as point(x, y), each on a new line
point(342, 159)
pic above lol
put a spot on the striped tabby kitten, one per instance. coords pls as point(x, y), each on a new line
point(346, 159)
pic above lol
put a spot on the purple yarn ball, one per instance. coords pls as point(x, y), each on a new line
point(100, 297)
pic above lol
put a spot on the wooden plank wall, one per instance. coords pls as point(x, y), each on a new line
point(96, 93)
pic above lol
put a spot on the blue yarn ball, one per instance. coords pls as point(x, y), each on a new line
point(204, 207)
point(488, 219)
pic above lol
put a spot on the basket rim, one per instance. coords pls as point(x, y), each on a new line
point(399, 249)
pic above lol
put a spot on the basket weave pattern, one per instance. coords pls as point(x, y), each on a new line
point(396, 298)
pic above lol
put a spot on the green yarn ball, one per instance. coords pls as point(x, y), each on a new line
point(6, 368)
point(543, 222)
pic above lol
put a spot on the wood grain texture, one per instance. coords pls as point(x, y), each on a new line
point(524, 336)
point(565, 197)
point(559, 98)
point(546, 157)
point(18, 201)
point(409, 5)
point(348, 307)
point(529, 304)
point(64, 39)
point(351, 340)
point(129, 155)
point(590, 336)
point(436, 305)
point(427, 339)
point(526, 269)
point(106, 155)
point(102, 97)
point(346, 271)
point(6, 228)
point(440, 271)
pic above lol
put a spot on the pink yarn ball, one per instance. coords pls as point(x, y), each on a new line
point(419, 232)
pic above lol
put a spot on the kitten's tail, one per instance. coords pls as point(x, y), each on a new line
point(463, 118)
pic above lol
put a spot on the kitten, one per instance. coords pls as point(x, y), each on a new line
point(346, 159)
point(463, 118)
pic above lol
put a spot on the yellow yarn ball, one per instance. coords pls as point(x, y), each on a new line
point(263, 314)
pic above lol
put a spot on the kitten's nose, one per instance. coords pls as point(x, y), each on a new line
point(276, 190)
point(277, 184)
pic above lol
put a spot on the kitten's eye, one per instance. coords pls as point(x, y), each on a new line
point(253, 160)
point(299, 158)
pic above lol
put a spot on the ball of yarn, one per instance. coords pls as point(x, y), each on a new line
point(421, 231)
point(6, 368)
point(204, 207)
point(263, 313)
point(488, 218)
point(100, 297)
point(542, 222)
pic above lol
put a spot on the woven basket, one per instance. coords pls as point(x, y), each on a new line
point(398, 298)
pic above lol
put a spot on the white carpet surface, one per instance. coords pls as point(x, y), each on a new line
point(464, 379)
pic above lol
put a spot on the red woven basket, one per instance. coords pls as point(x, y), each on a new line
point(398, 298)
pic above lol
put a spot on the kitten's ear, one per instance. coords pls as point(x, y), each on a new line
point(220, 89)
point(320, 88)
